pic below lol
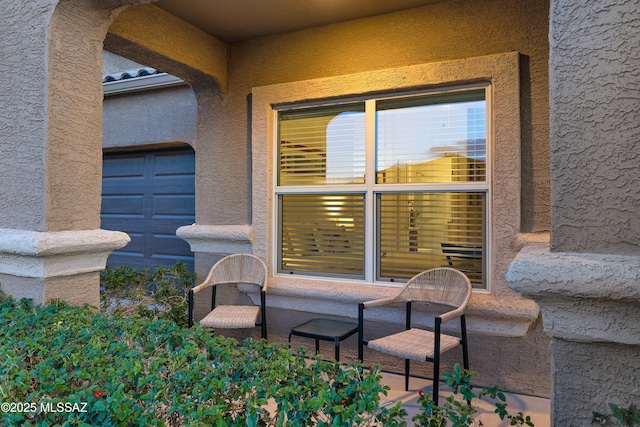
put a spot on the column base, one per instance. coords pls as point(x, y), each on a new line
point(590, 305)
point(61, 265)
point(217, 239)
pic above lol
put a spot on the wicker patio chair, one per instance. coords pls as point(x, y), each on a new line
point(236, 269)
point(442, 286)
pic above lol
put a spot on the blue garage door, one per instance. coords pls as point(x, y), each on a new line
point(148, 195)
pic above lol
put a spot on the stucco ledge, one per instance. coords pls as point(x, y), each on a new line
point(26, 253)
point(583, 297)
point(217, 239)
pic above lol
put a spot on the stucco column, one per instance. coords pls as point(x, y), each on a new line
point(587, 279)
point(51, 245)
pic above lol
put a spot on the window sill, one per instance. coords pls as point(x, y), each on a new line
point(486, 314)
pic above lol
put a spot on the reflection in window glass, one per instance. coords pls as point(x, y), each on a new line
point(322, 234)
point(322, 146)
point(423, 230)
point(424, 140)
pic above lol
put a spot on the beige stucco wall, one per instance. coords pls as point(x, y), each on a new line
point(22, 161)
point(596, 100)
point(112, 63)
point(160, 117)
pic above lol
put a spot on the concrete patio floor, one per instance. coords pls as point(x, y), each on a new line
point(537, 408)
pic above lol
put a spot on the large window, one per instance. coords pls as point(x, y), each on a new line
point(381, 189)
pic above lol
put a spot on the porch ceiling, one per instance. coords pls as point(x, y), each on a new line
point(238, 20)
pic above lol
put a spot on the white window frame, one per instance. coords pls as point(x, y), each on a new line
point(371, 189)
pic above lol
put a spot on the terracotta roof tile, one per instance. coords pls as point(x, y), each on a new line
point(130, 74)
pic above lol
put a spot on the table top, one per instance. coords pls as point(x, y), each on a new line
point(328, 329)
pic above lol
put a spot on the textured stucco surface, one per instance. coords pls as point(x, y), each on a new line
point(23, 117)
point(50, 156)
point(588, 376)
point(590, 306)
point(153, 117)
point(112, 63)
point(79, 289)
point(62, 253)
point(583, 297)
point(595, 126)
point(173, 39)
point(214, 239)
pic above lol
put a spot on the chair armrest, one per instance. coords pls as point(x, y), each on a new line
point(200, 287)
point(380, 302)
point(450, 315)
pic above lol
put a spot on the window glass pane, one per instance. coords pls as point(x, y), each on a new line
point(422, 230)
point(432, 139)
point(320, 146)
point(322, 234)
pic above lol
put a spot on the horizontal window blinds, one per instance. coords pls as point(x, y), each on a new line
point(423, 230)
point(431, 139)
point(322, 234)
point(320, 146)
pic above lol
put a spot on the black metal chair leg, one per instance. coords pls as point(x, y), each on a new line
point(360, 332)
point(465, 348)
point(436, 360)
point(436, 379)
point(407, 366)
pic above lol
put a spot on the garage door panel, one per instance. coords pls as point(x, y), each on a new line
point(123, 165)
point(168, 261)
point(148, 195)
point(175, 205)
point(135, 246)
point(174, 165)
point(168, 245)
point(127, 205)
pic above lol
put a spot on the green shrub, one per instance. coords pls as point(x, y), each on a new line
point(154, 295)
point(117, 371)
point(459, 412)
point(68, 366)
point(625, 416)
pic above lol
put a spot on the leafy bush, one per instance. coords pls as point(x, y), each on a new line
point(456, 413)
point(117, 371)
point(625, 416)
point(157, 294)
point(69, 366)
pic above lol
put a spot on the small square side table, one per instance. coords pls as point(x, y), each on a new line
point(326, 330)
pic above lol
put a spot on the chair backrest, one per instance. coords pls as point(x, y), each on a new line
point(238, 269)
point(442, 285)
